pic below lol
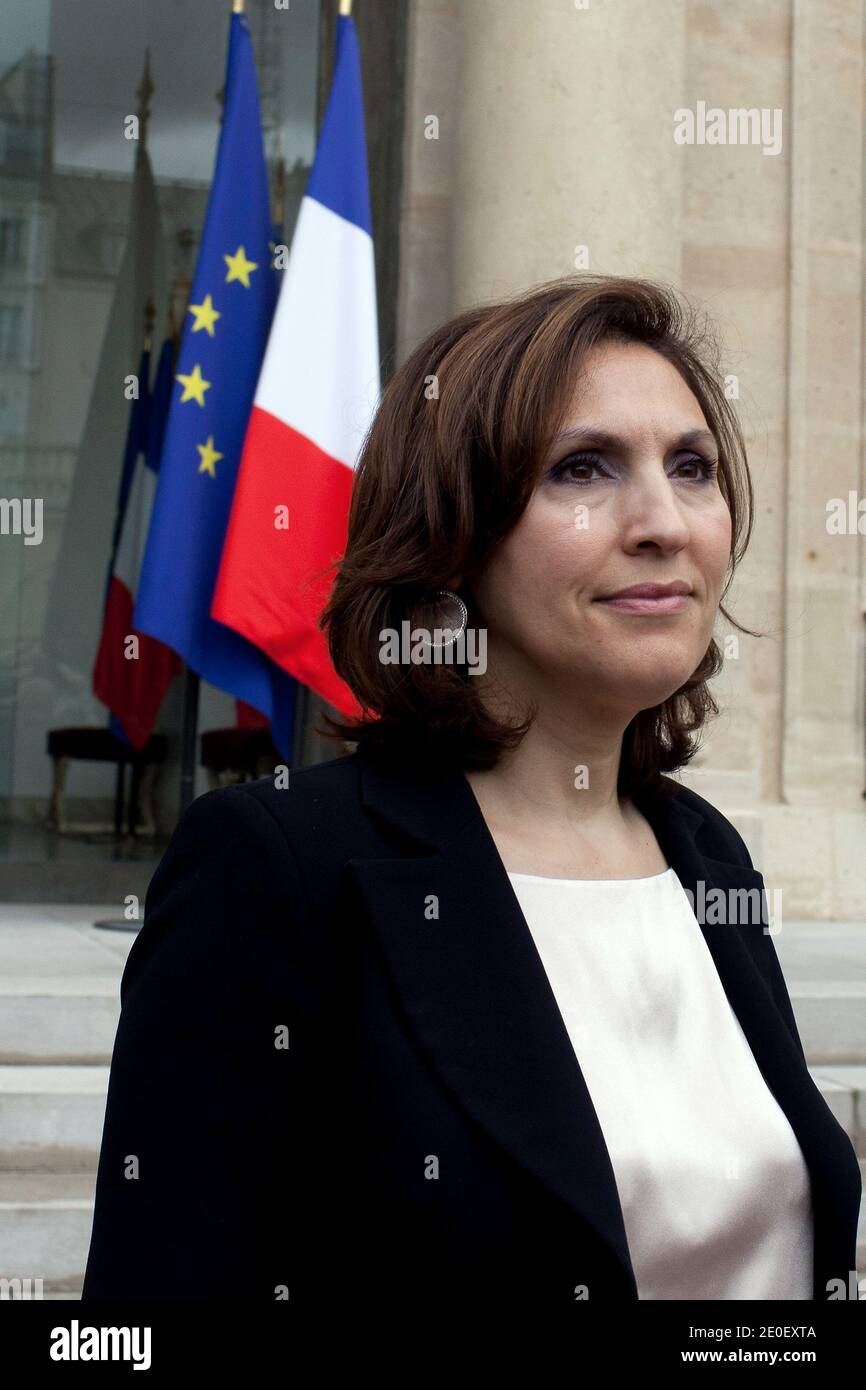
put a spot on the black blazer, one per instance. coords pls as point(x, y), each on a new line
point(426, 1136)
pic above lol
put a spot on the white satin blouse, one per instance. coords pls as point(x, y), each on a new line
point(714, 1189)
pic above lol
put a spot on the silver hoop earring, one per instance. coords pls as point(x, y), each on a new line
point(455, 633)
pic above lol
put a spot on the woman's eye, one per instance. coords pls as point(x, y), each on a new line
point(577, 468)
point(586, 468)
point(702, 468)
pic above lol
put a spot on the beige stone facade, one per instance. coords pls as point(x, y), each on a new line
point(551, 147)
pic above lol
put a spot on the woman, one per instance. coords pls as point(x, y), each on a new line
point(448, 1022)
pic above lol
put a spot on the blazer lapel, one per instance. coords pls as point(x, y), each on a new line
point(478, 998)
point(477, 995)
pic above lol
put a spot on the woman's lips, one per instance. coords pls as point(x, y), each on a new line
point(633, 603)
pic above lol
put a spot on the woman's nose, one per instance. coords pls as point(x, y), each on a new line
point(652, 514)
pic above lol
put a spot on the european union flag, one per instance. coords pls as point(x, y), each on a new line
point(232, 303)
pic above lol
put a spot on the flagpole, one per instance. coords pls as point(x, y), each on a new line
point(302, 694)
point(189, 734)
point(191, 686)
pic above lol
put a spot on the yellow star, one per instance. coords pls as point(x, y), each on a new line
point(205, 315)
point(209, 457)
point(240, 267)
point(194, 385)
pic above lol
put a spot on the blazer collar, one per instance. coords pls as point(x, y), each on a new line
point(478, 997)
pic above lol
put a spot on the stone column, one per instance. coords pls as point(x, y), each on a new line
point(824, 583)
point(565, 140)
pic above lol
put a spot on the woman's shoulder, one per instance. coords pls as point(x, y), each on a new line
point(300, 801)
point(716, 835)
point(303, 801)
point(301, 824)
point(255, 860)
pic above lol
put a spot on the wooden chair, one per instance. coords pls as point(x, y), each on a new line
point(238, 755)
point(135, 816)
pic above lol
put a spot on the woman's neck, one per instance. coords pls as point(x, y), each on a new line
point(553, 780)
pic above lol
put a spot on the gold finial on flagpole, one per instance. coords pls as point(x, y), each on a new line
point(345, 7)
point(237, 6)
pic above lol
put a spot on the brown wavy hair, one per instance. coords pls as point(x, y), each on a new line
point(447, 468)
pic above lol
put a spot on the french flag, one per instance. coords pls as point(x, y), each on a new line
point(132, 670)
point(317, 392)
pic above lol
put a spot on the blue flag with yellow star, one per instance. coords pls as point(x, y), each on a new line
point(232, 302)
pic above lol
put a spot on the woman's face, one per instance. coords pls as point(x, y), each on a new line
point(625, 499)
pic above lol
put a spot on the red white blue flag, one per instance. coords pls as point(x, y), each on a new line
point(317, 392)
point(132, 670)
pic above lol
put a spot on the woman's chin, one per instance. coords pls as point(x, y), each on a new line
point(646, 685)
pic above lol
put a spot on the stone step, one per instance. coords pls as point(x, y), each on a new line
point(74, 1020)
point(45, 1225)
point(843, 1087)
point(46, 1220)
point(52, 1118)
point(59, 983)
point(75, 1024)
point(831, 1020)
point(824, 964)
